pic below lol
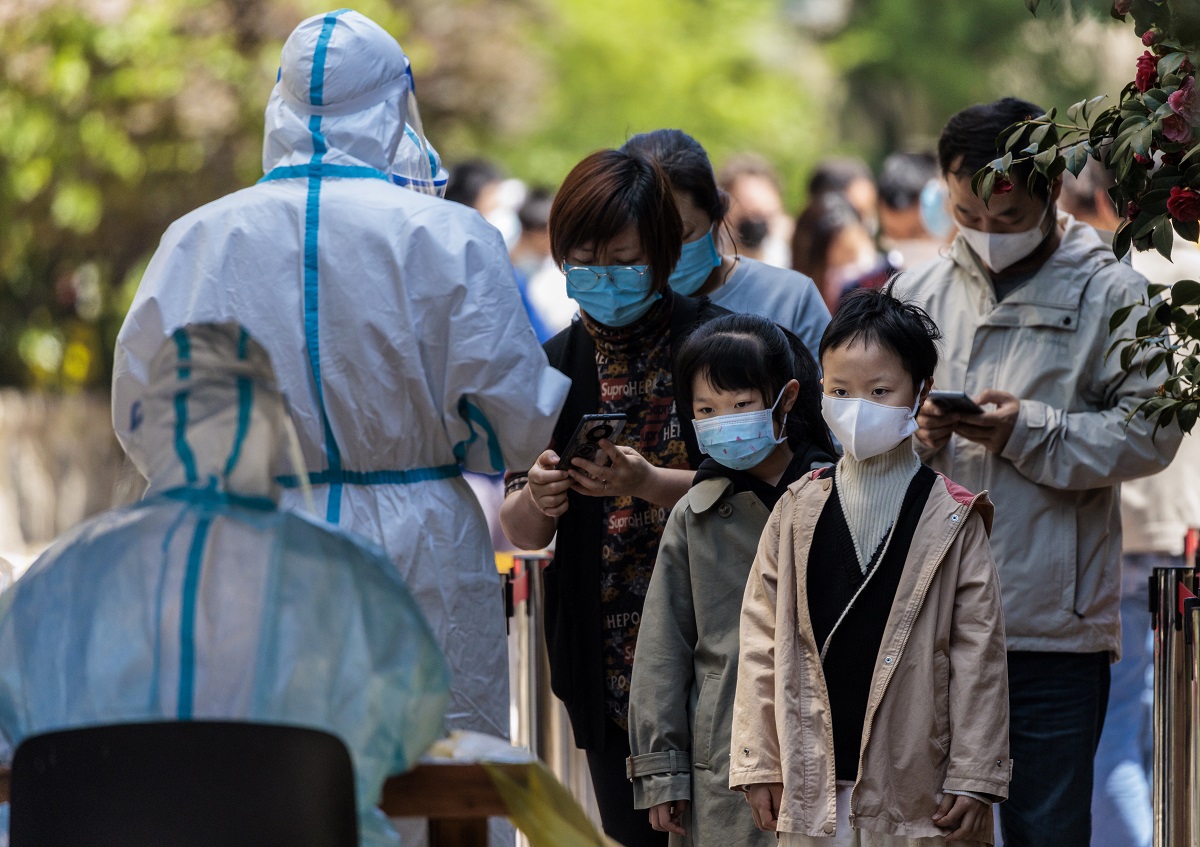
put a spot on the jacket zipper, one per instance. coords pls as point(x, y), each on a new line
point(924, 591)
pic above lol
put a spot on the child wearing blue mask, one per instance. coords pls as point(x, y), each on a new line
point(872, 694)
point(753, 391)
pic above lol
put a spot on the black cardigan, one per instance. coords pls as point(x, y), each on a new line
point(572, 579)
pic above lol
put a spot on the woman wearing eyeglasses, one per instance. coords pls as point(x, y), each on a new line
point(616, 232)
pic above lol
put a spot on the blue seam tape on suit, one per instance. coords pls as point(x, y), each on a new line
point(245, 391)
point(187, 621)
point(311, 272)
point(182, 449)
point(344, 477)
point(323, 170)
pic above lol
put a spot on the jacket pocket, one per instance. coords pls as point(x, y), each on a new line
point(706, 715)
point(941, 682)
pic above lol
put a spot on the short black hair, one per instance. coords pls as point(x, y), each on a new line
point(686, 165)
point(903, 328)
point(534, 213)
point(976, 135)
point(902, 177)
point(468, 179)
point(836, 175)
point(740, 352)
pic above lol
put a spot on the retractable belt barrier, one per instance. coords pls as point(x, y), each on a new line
point(1175, 616)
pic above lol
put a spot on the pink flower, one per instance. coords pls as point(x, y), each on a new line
point(1175, 128)
point(1002, 185)
point(1186, 102)
point(1147, 71)
point(1151, 37)
point(1144, 161)
point(1121, 7)
point(1132, 210)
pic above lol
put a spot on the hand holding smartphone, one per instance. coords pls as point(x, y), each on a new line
point(585, 442)
point(955, 401)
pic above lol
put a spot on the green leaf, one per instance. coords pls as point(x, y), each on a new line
point(1164, 237)
point(1075, 158)
point(1123, 239)
point(1127, 357)
point(1043, 160)
point(1142, 139)
point(1119, 317)
point(1188, 413)
point(1032, 6)
point(1186, 292)
point(1155, 362)
point(1187, 230)
point(1171, 63)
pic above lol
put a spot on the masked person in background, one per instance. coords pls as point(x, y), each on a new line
point(616, 233)
point(832, 244)
point(395, 327)
point(207, 601)
point(1024, 298)
point(759, 226)
point(902, 229)
point(737, 283)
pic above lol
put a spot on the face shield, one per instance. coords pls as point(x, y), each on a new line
point(416, 164)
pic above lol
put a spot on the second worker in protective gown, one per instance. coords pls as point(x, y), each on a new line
point(396, 330)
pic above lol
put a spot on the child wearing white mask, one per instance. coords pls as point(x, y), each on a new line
point(872, 701)
point(754, 394)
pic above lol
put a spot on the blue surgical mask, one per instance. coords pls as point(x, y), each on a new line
point(934, 215)
point(614, 295)
point(696, 263)
point(743, 440)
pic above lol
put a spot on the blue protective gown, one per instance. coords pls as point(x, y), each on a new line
point(205, 600)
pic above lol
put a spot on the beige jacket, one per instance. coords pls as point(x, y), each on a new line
point(1057, 540)
point(937, 717)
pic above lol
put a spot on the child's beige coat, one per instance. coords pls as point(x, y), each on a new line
point(937, 717)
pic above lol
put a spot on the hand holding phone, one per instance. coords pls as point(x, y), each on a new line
point(585, 442)
point(955, 401)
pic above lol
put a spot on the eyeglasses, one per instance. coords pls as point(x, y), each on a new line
point(623, 277)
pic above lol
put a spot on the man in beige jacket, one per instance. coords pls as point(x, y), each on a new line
point(1024, 298)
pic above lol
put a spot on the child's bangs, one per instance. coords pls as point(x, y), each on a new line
point(736, 362)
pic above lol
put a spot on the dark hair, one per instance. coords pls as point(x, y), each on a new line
point(609, 191)
point(534, 213)
point(747, 164)
point(739, 352)
point(903, 328)
point(686, 165)
point(468, 179)
point(976, 135)
point(836, 175)
point(902, 177)
point(816, 228)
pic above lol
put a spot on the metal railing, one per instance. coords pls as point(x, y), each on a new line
point(1175, 615)
point(538, 719)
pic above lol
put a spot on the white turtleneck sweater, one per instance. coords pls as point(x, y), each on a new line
point(872, 492)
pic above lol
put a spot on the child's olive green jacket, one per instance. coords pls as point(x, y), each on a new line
point(685, 668)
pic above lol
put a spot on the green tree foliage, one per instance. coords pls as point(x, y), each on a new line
point(120, 116)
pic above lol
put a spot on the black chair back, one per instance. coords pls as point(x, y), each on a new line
point(183, 784)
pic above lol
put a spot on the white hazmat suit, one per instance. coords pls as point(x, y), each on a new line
point(395, 327)
point(206, 601)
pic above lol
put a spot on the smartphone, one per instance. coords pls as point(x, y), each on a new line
point(585, 443)
point(955, 401)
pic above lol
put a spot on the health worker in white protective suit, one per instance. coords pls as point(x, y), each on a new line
point(395, 327)
point(207, 601)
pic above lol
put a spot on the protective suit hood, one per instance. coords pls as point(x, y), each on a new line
point(210, 415)
point(342, 96)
